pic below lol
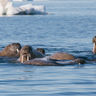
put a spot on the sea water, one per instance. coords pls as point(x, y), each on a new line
point(69, 27)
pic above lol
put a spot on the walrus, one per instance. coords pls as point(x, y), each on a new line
point(11, 50)
point(48, 62)
point(62, 56)
point(27, 53)
point(94, 45)
point(29, 56)
point(58, 55)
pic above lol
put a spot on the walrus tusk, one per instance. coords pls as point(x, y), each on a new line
point(22, 60)
point(94, 45)
point(17, 50)
point(28, 58)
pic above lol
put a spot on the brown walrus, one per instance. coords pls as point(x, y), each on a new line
point(27, 53)
point(58, 55)
point(48, 62)
point(12, 50)
point(29, 56)
point(94, 47)
point(62, 56)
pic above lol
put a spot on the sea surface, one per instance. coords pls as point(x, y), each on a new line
point(69, 27)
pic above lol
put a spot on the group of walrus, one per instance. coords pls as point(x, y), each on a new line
point(28, 55)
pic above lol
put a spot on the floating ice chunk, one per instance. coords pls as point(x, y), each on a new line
point(28, 9)
point(10, 10)
point(7, 8)
point(3, 4)
point(33, 9)
point(1, 9)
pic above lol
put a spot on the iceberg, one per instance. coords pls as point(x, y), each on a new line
point(6, 8)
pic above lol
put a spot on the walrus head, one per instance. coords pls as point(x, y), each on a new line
point(26, 53)
point(41, 50)
point(12, 50)
point(26, 49)
point(94, 46)
point(80, 61)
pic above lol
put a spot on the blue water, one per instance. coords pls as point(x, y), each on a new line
point(69, 27)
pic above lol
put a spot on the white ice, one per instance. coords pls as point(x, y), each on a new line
point(6, 8)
